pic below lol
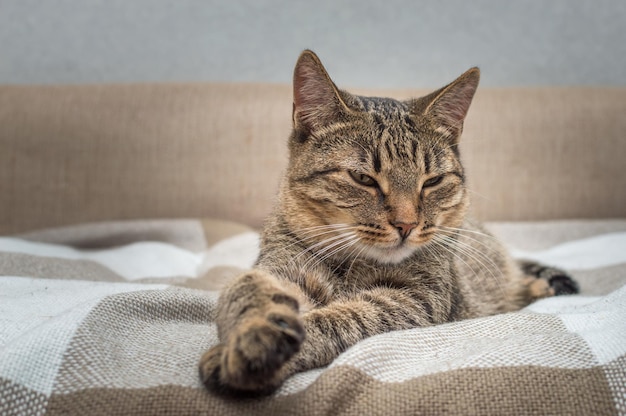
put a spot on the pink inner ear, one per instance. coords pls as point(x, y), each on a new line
point(451, 105)
point(310, 91)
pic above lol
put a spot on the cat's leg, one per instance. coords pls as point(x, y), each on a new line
point(254, 356)
point(259, 330)
point(332, 329)
point(543, 281)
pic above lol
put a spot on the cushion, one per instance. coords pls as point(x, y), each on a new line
point(112, 318)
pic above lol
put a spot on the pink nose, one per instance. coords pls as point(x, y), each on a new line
point(404, 229)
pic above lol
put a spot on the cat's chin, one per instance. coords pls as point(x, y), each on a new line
point(389, 255)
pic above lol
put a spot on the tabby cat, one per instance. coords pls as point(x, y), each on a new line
point(369, 235)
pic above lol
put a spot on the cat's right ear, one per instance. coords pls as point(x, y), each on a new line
point(317, 102)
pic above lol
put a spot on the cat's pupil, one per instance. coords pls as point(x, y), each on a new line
point(363, 179)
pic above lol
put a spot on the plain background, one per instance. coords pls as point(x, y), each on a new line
point(363, 43)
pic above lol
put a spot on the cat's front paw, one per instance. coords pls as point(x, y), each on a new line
point(250, 360)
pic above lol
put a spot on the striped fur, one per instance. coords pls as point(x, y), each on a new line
point(369, 235)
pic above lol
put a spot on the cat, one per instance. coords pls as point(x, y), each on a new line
point(370, 234)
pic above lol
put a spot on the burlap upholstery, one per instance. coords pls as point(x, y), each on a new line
point(73, 154)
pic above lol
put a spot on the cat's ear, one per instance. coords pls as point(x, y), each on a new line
point(316, 100)
point(448, 106)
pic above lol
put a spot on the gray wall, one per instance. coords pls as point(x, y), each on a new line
point(364, 43)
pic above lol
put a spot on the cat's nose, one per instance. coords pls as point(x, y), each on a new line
point(404, 228)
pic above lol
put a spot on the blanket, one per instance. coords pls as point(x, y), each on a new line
point(111, 319)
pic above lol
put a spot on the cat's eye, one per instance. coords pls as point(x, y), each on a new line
point(362, 178)
point(433, 181)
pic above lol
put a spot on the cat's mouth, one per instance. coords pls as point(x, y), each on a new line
point(397, 250)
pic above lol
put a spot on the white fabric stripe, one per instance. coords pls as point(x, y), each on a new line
point(133, 261)
point(513, 339)
point(149, 259)
point(239, 251)
point(37, 322)
point(589, 253)
point(601, 321)
point(187, 234)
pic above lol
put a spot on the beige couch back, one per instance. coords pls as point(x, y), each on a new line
point(71, 154)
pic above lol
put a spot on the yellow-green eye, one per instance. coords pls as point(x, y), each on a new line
point(433, 181)
point(362, 179)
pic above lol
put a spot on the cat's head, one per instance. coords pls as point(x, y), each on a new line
point(374, 176)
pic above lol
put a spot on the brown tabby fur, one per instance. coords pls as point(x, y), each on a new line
point(369, 235)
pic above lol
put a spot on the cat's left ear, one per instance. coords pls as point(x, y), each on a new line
point(448, 106)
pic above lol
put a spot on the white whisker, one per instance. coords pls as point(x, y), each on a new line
point(442, 227)
point(314, 236)
point(473, 254)
point(348, 255)
point(355, 258)
point(320, 243)
point(316, 256)
point(346, 245)
point(444, 246)
point(480, 195)
point(468, 249)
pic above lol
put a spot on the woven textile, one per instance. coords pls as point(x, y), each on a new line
point(112, 318)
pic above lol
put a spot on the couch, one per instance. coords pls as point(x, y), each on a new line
point(125, 208)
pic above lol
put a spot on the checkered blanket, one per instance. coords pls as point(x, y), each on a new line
point(112, 318)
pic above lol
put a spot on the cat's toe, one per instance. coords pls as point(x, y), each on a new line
point(562, 284)
point(268, 343)
point(209, 367)
point(288, 339)
point(216, 380)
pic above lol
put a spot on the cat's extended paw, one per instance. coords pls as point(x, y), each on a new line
point(251, 358)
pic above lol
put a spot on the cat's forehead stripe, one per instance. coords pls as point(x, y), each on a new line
point(395, 146)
